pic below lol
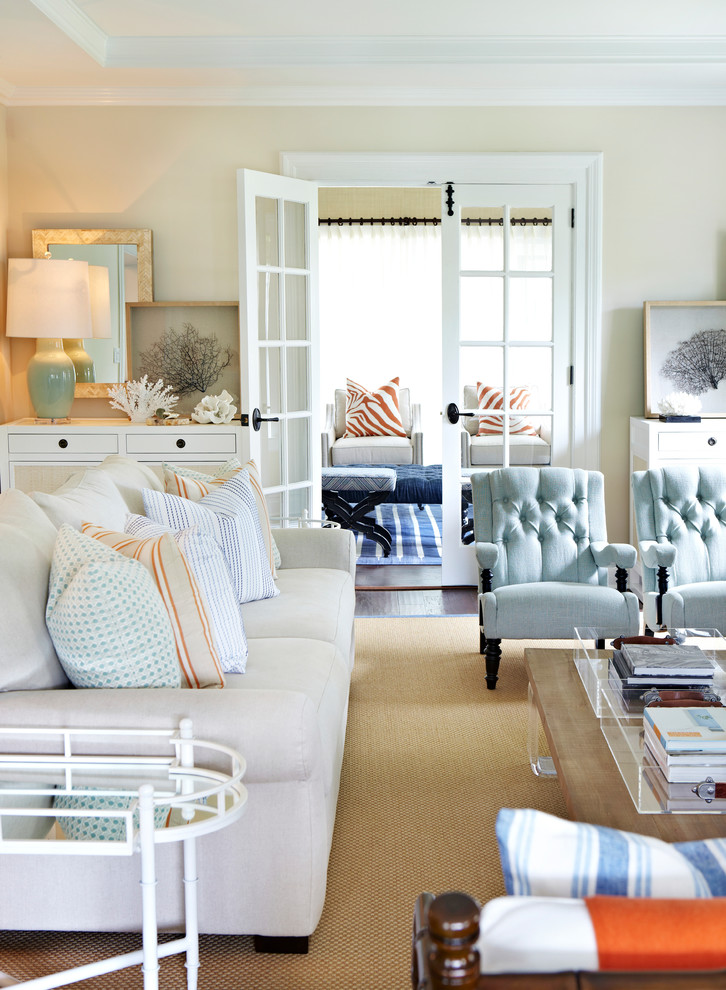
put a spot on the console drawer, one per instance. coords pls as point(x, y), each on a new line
point(28, 446)
point(169, 441)
point(693, 443)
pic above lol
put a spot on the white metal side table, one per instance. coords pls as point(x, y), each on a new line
point(92, 768)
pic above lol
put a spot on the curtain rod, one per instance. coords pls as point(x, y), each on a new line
point(434, 221)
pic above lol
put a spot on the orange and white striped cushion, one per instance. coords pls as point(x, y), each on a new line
point(183, 599)
point(373, 414)
point(492, 398)
point(195, 485)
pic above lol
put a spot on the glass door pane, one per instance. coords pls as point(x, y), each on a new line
point(506, 341)
point(278, 287)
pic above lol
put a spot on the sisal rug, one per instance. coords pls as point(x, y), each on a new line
point(430, 757)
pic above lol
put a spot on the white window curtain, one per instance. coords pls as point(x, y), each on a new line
point(380, 314)
point(380, 305)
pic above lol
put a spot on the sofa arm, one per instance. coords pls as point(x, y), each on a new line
point(275, 731)
point(416, 433)
point(657, 555)
point(327, 437)
point(300, 547)
point(487, 555)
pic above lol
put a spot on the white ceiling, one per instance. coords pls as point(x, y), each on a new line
point(363, 52)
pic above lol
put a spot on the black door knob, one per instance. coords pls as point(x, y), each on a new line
point(63, 443)
point(181, 443)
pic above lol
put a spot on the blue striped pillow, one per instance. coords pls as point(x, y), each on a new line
point(237, 534)
point(209, 568)
point(542, 855)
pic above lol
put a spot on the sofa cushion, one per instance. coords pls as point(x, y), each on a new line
point(106, 617)
point(184, 600)
point(28, 659)
point(130, 477)
point(315, 603)
point(88, 496)
point(234, 526)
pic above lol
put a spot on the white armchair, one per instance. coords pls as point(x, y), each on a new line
point(486, 451)
point(339, 450)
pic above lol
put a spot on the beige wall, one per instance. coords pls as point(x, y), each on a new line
point(6, 406)
point(174, 170)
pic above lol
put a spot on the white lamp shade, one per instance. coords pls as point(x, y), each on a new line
point(100, 301)
point(48, 298)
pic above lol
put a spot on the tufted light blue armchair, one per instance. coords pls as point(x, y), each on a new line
point(680, 517)
point(543, 556)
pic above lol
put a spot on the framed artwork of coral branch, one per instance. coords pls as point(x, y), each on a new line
point(685, 351)
point(191, 346)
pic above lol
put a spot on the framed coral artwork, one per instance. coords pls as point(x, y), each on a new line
point(191, 346)
point(685, 351)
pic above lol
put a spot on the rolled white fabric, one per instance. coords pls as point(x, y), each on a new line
point(536, 935)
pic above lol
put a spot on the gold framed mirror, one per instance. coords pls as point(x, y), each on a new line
point(128, 255)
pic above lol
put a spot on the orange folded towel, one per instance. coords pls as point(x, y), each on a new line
point(642, 933)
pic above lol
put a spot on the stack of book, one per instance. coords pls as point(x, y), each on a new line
point(636, 667)
point(683, 747)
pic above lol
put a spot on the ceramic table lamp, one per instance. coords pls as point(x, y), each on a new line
point(49, 300)
point(100, 324)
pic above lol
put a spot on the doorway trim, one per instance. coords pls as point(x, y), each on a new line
point(581, 170)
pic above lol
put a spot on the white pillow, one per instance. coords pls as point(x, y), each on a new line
point(546, 856)
point(209, 568)
point(231, 520)
point(106, 617)
point(89, 496)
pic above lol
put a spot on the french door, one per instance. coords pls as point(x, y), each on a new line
point(506, 339)
point(279, 357)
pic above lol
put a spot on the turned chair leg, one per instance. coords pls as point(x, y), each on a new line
point(493, 656)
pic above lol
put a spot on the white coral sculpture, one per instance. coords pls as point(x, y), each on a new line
point(215, 409)
point(141, 399)
point(679, 404)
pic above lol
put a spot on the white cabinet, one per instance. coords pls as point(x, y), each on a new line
point(40, 458)
point(654, 443)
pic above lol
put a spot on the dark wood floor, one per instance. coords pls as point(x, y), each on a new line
point(409, 589)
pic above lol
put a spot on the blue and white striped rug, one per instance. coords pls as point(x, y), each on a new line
point(415, 535)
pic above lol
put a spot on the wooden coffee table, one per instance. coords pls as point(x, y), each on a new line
point(590, 781)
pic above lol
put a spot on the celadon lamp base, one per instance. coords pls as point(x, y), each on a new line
point(82, 360)
point(51, 379)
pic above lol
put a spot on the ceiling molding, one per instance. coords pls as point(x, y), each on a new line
point(337, 96)
point(239, 52)
point(81, 30)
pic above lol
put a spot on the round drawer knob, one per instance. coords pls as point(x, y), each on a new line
point(181, 443)
point(712, 441)
point(63, 443)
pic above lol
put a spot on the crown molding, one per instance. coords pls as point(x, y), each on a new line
point(337, 96)
point(77, 25)
point(213, 52)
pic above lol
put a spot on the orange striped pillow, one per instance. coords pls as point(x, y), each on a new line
point(492, 397)
point(183, 599)
point(373, 414)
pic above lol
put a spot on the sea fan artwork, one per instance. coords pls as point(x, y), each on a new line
point(697, 364)
point(186, 359)
point(142, 399)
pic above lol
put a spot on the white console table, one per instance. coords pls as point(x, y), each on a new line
point(40, 457)
point(85, 763)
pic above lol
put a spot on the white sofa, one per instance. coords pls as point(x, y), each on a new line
point(265, 875)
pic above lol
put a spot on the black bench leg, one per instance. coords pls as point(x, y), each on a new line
point(353, 516)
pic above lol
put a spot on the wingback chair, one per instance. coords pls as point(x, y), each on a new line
point(543, 555)
point(680, 518)
point(339, 450)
